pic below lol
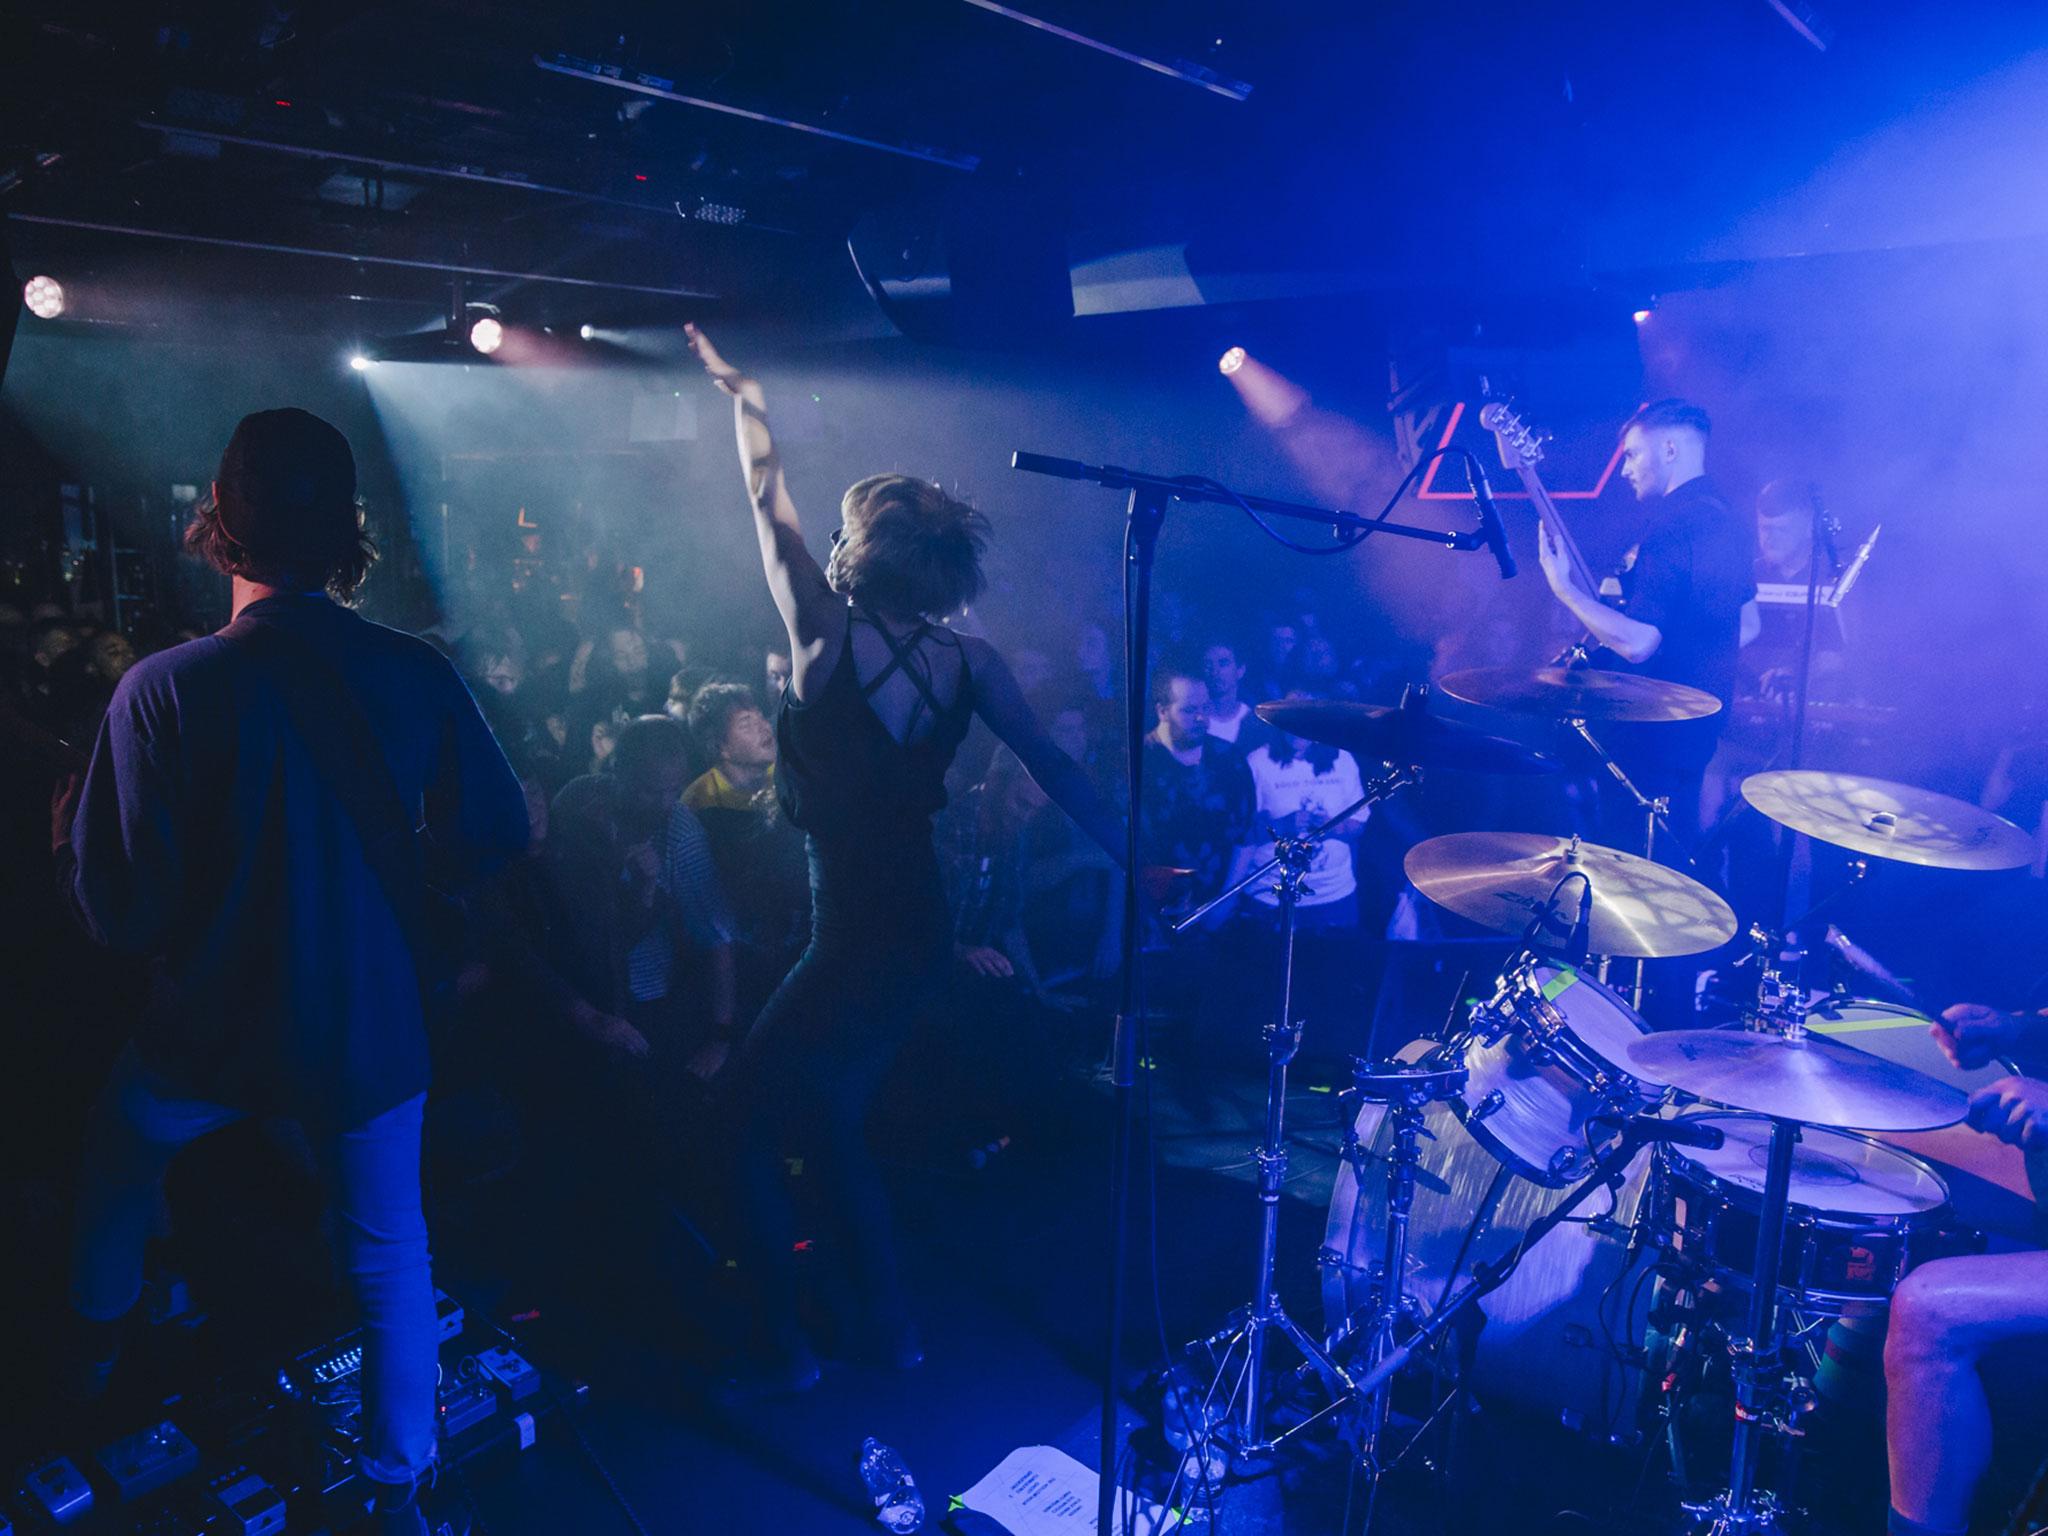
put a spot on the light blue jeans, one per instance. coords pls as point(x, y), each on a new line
point(380, 1234)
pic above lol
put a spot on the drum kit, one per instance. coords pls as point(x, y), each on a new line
point(1749, 1167)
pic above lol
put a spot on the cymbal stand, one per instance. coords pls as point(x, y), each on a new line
point(1742, 1508)
point(1655, 813)
point(1251, 1327)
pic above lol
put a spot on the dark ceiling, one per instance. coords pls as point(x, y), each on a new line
point(280, 152)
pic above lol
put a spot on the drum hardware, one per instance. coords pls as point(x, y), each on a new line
point(1250, 1329)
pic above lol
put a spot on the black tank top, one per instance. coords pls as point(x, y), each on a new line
point(866, 799)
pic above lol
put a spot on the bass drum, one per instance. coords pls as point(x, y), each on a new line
point(1554, 1333)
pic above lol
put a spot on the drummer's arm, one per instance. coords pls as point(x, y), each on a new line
point(1973, 1035)
point(1631, 639)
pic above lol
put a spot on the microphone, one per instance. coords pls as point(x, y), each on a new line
point(1680, 1133)
point(1824, 522)
point(1490, 527)
point(1581, 942)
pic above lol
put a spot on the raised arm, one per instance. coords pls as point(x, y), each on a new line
point(811, 611)
point(1004, 710)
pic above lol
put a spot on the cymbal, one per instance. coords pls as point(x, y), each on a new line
point(1404, 737)
point(1888, 821)
point(1811, 1079)
point(1502, 879)
point(1578, 693)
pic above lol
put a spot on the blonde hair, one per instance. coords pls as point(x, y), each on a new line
point(906, 547)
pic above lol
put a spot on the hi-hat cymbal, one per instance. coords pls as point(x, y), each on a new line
point(1812, 1079)
point(1888, 821)
point(1501, 880)
point(1405, 737)
point(1578, 693)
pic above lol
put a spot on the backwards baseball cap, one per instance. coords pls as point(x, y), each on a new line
point(288, 488)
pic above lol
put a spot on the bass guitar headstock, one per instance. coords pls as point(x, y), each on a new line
point(1520, 443)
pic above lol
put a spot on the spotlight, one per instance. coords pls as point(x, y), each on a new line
point(1642, 317)
point(487, 335)
point(361, 363)
point(587, 332)
point(44, 297)
point(1230, 361)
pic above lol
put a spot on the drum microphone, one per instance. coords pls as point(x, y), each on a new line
point(1680, 1133)
point(1490, 526)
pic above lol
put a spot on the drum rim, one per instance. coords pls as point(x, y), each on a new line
point(1559, 1024)
point(1668, 1152)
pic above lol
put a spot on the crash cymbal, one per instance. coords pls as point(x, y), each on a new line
point(1408, 738)
point(1503, 879)
point(1812, 1079)
point(1888, 821)
point(1578, 693)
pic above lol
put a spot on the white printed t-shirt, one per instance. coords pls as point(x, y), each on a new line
point(1282, 789)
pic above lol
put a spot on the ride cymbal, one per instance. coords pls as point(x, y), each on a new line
point(1888, 821)
point(1579, 693)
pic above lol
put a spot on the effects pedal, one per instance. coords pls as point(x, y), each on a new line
point(510, 1370)
point(252, 1506)
point(144, 1462)
point(58, 1489)
point(447, 1315)
point(465, 1405)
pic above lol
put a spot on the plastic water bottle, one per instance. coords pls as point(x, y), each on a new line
point(898, 1504)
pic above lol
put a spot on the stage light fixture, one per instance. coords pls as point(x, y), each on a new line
point(1230, 361)
point(44, 297)
point(587, 332)
point(487, 335)
point(361, 362)
point(1642, 317)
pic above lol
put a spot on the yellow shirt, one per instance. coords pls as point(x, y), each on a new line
point(715, 791)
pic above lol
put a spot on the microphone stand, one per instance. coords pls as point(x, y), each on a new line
point(1149, 495)
point(1822, 537)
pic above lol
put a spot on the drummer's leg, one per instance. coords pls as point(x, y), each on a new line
point(1946, 1317)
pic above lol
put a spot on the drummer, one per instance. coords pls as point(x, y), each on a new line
point(1951, 1316)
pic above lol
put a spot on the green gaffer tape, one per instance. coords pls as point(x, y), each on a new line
point(1861, 1026)
point(1559, 984)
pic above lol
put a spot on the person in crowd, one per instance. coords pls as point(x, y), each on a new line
point(775, 675)
point(647, 915)
point(1950, 1318)
point(215, 835)
point(880, 695)
point(50, 639)
point(739, 743)
point(1094, 668)
point(1230, 718)
point(1298, 785)
point(1198, 797)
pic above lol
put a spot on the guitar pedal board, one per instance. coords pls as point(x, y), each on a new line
point(261, 1460)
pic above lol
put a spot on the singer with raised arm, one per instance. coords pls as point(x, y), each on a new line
point(880, 694)
point(1680, 605)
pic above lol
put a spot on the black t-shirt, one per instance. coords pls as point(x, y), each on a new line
point(1196, 815)
point(1693, 570)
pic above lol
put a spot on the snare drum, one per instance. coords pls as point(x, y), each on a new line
point(1860, 1216)
point(1545, 1095)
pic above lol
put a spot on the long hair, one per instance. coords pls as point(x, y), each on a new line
point(905, 547)
point(340, 575)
